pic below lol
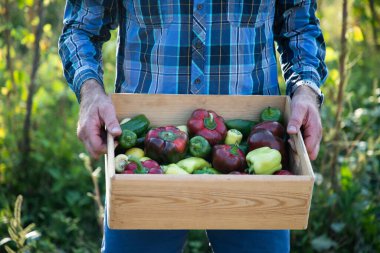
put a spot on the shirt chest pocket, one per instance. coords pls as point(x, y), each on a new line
point(245, 13)
point(151, 13)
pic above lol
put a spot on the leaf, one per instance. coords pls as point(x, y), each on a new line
point(33, 235)
point(29, 228)
point(337, 227)
point(5, 240)
point(331, 54)
point(9, 250)
point(322, 243)
point(357, 34)
point(96, 172)
point(346, 177)
point(17, 211)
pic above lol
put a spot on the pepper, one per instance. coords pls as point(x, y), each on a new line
point(226, 158)
point(183, 128)
point(166, 144)
point(276, 128)
point(127, 139)
point(121, 162)
point(137, 152)
point(264, 161)
point(243, 125)
point(207, 124)
point(206, 170)
point(146, 167)
point(174, 169)
point(199, 147)
point(271, 114)
point(283, 172)
point(233, 137)
point(193, 163)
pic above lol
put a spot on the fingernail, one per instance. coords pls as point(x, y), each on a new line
point(115, 130)
point(292, 129)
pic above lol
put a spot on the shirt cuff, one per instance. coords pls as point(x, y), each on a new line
point(83, 74)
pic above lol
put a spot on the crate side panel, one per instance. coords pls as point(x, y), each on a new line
point(210, 203)
point(176, 109)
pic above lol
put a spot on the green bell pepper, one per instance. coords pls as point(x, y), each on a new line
point(199, 147)
point(127, 139)
point(264, 161)
point(271, 114)
point(206, 170)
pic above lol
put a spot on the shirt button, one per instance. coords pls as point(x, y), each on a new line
point(198, 45)
point(199, 7)
point(197, 81)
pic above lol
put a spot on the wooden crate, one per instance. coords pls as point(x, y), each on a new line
point(207, 201)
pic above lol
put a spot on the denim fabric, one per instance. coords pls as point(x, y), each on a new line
point(173, 241)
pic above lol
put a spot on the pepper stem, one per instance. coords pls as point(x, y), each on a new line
point(140, 168)
point(270, 111)
point(197, 145)
point(210, 122)
point(167, 135)
point(234, 149)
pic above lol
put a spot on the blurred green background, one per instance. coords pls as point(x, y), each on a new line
point(39, 150)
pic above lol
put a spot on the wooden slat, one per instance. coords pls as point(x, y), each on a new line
point(176, 109)
point(210, 202)
point(207, 201)
point(109, 169)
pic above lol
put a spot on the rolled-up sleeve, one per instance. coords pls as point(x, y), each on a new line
point(300, 42)
point(87, 26)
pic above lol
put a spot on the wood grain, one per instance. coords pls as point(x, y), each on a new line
point(176, 109)
point(207, 201)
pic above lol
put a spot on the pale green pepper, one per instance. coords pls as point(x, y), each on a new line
point(193, 163)
point(233, 137)
point(121, 161)
point(174, 169)
point(263, 161)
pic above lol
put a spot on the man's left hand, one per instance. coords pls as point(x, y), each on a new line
point(305, 116)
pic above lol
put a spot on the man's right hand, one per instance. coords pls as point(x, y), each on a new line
point(96, 112)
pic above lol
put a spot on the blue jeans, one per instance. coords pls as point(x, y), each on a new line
point(173, 241)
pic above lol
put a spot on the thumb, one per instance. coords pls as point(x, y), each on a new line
point(109, 117)
point(296, 118)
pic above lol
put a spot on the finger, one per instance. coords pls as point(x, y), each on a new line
point(312, 134)
point(96, 141)
point(89, 149)
point(314, 153)
point(292, 144)
point(95, 148)
point(297, 116)
point(107, 114)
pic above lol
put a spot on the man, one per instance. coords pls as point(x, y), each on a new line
point(194, 47)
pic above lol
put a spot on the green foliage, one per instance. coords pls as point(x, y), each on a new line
point(18, 235)
point(56, 185)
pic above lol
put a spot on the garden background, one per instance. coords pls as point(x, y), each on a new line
point(40, 154)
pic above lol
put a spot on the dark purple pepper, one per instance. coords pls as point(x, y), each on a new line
point(226, 158)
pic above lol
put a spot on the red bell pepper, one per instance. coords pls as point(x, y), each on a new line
point(145, 167)
point(207, 124)
point(226, 158)
point(166, 144)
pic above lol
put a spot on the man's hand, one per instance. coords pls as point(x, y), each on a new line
point(305, 116)
point(96, 111)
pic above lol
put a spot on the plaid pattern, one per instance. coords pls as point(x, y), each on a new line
point(194, 47)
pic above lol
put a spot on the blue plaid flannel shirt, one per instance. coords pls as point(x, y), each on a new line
point(194, 47)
